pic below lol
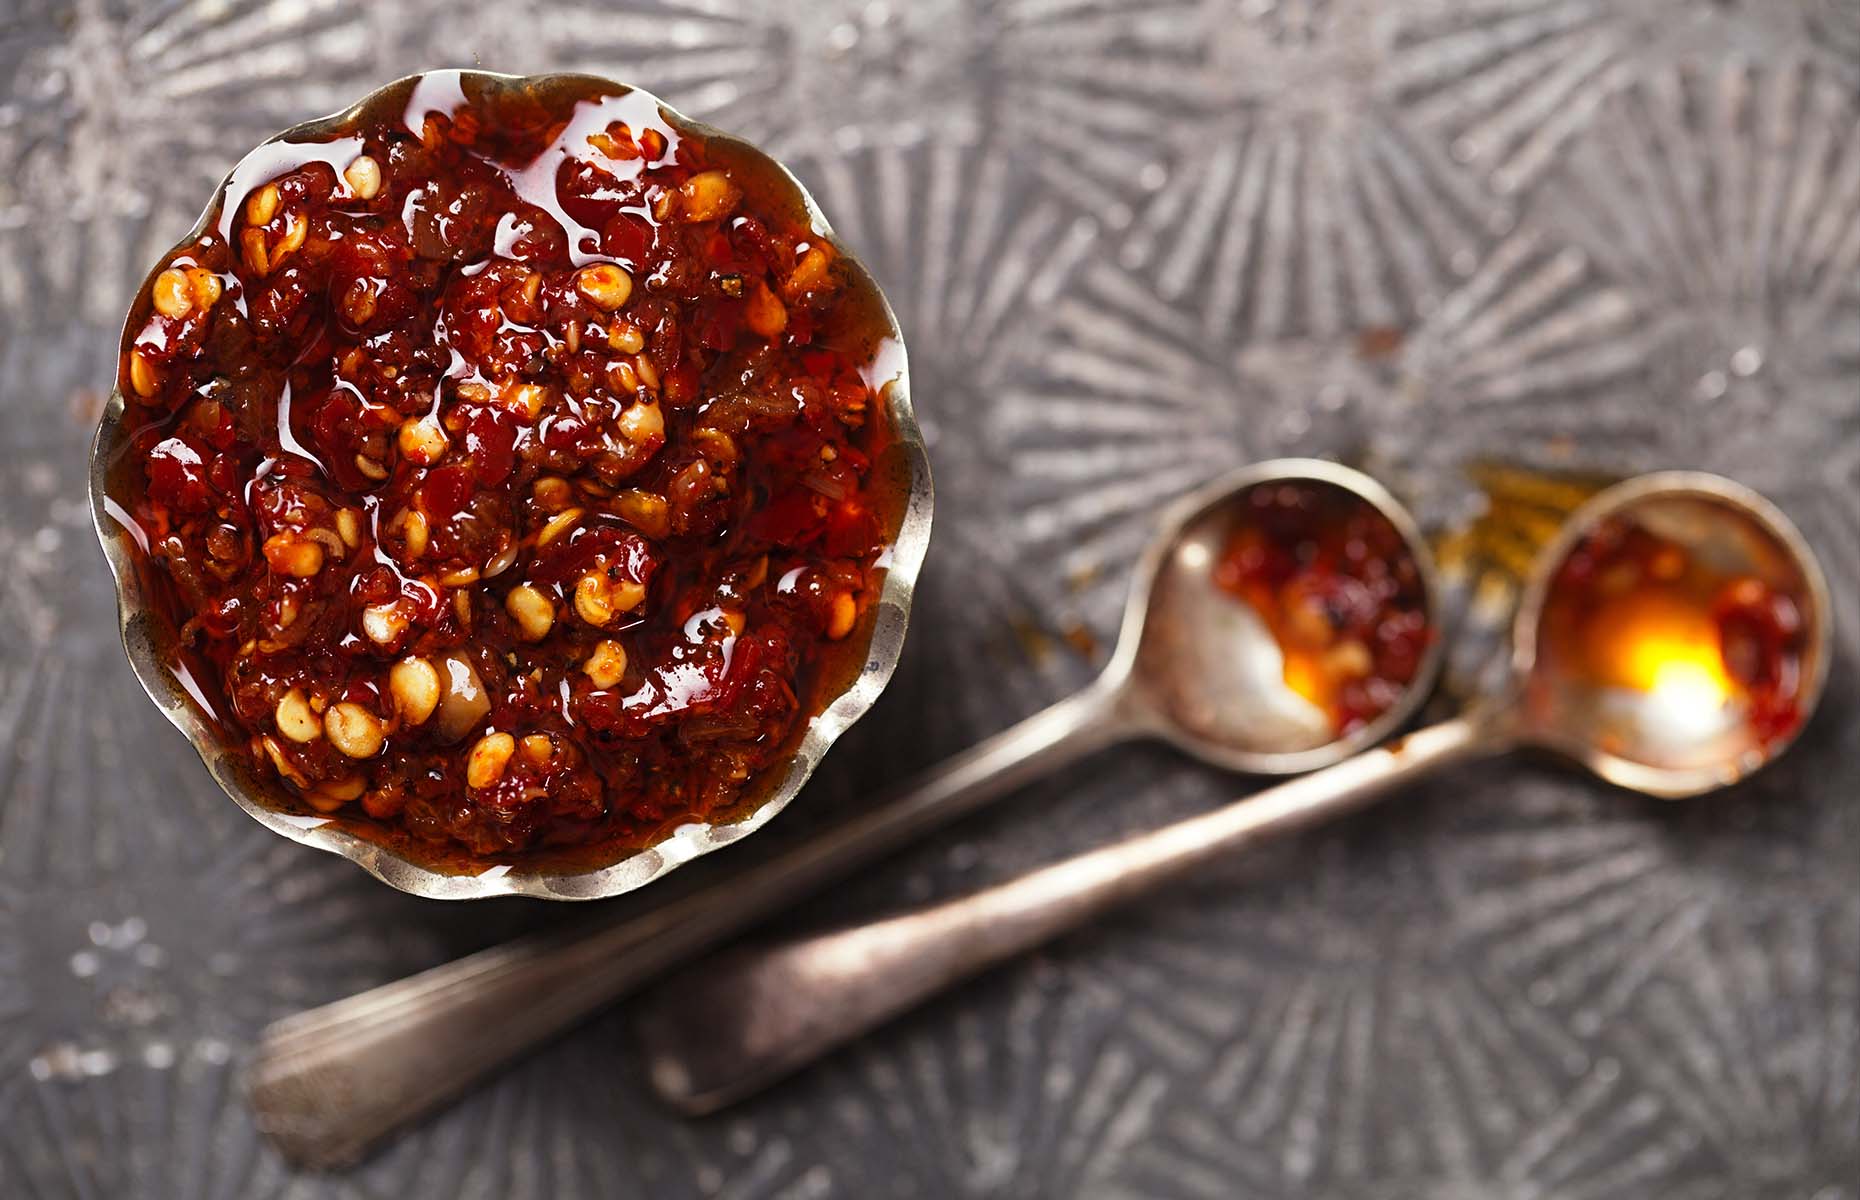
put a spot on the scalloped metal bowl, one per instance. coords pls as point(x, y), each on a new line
point(143, 635)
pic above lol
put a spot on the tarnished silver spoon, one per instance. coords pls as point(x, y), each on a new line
point(728, 1026)
point(1192, 667)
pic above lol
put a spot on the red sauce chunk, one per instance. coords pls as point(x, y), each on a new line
point(510, 467)
point(1632, 609)
point(1334, 581)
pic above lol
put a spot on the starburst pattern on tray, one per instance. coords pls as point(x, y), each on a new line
point(973, 256)
point(1624, 927)
point(1602, 1139)
point(1306, 207)
point(1033, 1094)
point(1513, 357)
point(87, 112)
point(801, 77)
point(1729, 203)
point(1072, 88)
point(1513, 84)
point(1121, 404)
point(1362, 1046)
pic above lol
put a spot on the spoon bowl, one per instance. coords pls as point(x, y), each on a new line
point(1208, 671)
point(1672, 730)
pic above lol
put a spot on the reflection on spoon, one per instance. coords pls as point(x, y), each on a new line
point(1279, 713)
point(1673, 636)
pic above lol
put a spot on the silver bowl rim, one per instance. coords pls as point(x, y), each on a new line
point(889, 622)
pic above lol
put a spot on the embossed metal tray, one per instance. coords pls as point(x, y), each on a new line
point(1132, 244)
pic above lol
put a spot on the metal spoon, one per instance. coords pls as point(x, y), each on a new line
point(729, 1026)
point(328, 1081)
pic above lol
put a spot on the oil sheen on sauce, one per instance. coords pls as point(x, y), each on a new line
point(510, 470)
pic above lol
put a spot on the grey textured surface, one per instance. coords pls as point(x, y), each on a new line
point(1132, 244)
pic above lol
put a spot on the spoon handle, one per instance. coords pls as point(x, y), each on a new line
point(327, 1082)
point(724, 1028)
